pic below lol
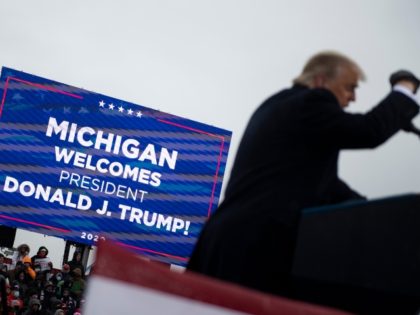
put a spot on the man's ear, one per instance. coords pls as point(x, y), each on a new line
point(319, 81)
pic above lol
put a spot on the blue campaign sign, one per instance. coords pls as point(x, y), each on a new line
point(84, 166)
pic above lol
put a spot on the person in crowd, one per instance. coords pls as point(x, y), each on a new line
point(65, 272)
point(4, 269)
point(78, 285)
point(62, 279)
point(39, 284)
point(34, 307)
point(67, 301)
point(12, 273)
point(2, 263)
point(57, 278)
point(76, 262)
point(14, 300)
point(288, 160)
point(53, 305)
point(27, 262)
point(31, 293)
point(22, 251)
point(42, 260)
point(57, 281)
point(24, 281)
point(46, 295)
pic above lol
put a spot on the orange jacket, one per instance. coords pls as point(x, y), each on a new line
point(28, 263)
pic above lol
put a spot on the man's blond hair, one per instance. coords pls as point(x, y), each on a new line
point(326, 63)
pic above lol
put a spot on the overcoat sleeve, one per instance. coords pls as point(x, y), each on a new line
point(327, 124)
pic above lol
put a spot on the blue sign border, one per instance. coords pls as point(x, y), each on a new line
point(187, 194)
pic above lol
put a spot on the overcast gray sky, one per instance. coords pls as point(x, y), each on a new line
point(216, 61)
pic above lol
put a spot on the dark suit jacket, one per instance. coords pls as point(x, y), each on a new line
point(286, 161)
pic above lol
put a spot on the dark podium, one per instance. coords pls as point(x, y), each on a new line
point(361, 256)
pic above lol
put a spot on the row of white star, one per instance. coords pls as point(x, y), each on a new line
point(121, 109)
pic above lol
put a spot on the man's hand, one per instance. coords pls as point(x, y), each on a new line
point(408, 84)
point(406, 79)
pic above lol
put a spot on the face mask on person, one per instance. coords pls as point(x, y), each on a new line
point(16, 294)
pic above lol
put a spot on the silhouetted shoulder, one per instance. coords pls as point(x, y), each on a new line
point(318, 94)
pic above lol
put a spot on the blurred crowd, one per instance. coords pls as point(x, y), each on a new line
point(33, 286)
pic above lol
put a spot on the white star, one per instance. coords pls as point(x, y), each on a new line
point(139, 114)
point(102, 104)
point(67, 110)
point(121, 109)
point(111, 106)
point(130, 111)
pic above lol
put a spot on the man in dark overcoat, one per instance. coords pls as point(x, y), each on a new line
point(287, 161)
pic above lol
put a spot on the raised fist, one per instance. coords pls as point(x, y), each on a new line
point(404, 75)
